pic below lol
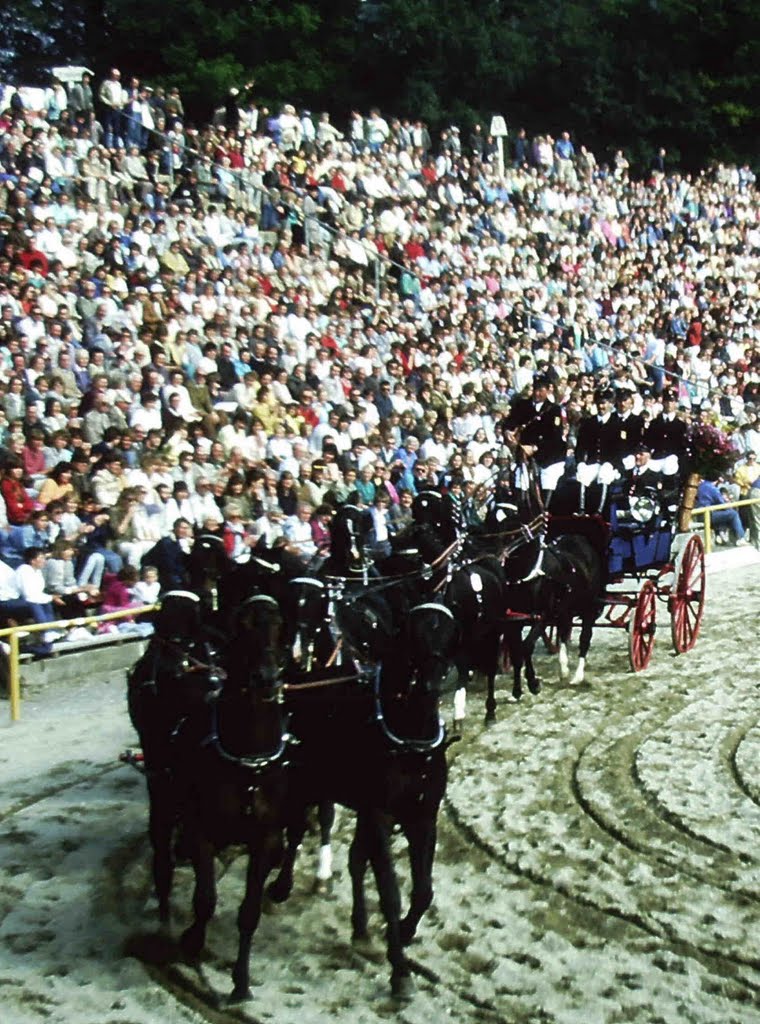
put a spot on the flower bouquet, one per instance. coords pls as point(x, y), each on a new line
point(712, 454)
point(712, 451)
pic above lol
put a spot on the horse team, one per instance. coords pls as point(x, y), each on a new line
point(268, 690)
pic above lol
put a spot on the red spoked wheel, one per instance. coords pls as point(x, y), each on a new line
point(642, 627)
point(687, 599)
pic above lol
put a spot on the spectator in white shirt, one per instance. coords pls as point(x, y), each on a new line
point(204, 504)
point(147, 415)
point(297, 531)
point(31, 585)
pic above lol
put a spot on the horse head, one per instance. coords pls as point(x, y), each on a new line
point(349, 535)
point(255, 656)
point(411, 675)
point(427, 509)
point(366, 625)
point(432, 633)
point(209, 566)
point(177, 676)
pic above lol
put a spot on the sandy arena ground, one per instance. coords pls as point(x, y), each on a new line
point(599, 862)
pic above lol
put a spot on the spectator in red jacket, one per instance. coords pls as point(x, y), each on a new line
point(18, 504)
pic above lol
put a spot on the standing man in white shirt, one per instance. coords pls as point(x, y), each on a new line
point(112, 97)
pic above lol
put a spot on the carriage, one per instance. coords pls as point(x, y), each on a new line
point(650, 566)
point(649, 562)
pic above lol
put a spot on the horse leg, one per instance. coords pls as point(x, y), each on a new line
point(527, 648)
point(357, 866)
point(587, 629)
point(563, 636)
point(160, 829)
point(326, 817)
point(377, 844)
point(514, 644)
point(491, 670)
point(260, 863)
point(460, 694)
point(193, 939)
point(279, 890)
point(421, 837)
point(460, 704)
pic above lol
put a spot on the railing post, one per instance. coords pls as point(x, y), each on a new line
point(14, 679)
point(708, 532)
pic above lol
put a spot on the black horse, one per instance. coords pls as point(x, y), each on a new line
point(376, 745)
point(318, 652)
point(171, 681)
point(464, 576)
point(551, 578)
point(231, 769)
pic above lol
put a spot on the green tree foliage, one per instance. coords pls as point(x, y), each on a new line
point(296, 51)
point(36, 35)
point(633, 73)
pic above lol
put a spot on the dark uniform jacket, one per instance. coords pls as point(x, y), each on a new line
point(596, 441)
point(626, 433)
point(667, 437)
point(540, 427)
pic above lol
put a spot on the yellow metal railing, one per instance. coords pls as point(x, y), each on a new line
point(718, 508)
point(13, 632)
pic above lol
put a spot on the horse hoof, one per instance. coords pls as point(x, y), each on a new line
point(490, 718)
point(535, 686)
point(191, 947)
point(278, 891)
point(237, 995)
point(322, 886)
point(402, 986)
point(360, 939)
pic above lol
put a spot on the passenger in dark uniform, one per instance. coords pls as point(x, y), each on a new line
point(595, 451)
point(627, 430)
point(666, 436)
point(536, 426)
point(642, 497)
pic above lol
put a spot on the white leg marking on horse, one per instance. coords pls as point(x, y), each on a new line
point(580, 672)
point(324, 869)
point(564, 664)
point(460, 704)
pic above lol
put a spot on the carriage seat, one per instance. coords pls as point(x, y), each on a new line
point(641, 536)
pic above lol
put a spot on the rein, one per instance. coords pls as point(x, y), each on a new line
point(518, 531)
point(316, 684)
point(197, 664)
point(383, 582)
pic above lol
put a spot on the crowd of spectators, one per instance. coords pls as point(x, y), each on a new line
point(239, 326)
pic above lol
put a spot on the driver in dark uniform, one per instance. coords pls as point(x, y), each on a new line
point(536, 426)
